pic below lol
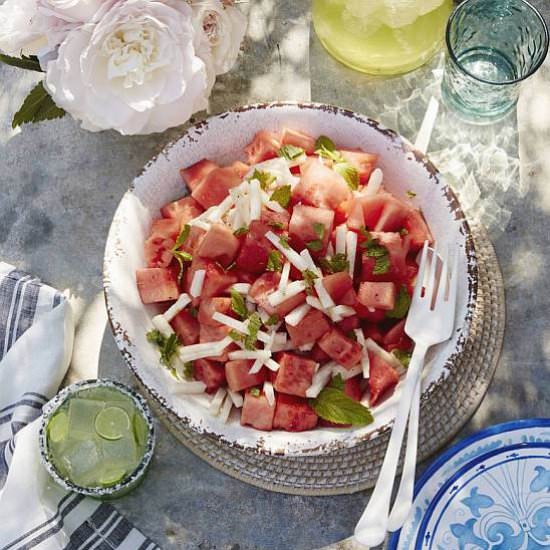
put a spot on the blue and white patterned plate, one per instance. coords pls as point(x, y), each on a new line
point(489, 492)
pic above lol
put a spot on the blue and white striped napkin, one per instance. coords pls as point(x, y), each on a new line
point(36, 339)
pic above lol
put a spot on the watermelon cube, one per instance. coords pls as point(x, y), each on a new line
point(293, 414)
point(196, 173)
point(263, 146)
point(215, 186)
point(209, 372)
point(298, 139)
point(219, 244)
point(306, 225)
point(321, 186)
point(186, 327)
point(209, 333)
point(182, 210)
point(338, 285)
point(257, 412)
point(209, 306)
point(157, 284)
point(382, 378)
point(365, 163)
point(309, 329)
point(238, 377)
point(264, 286)
point(340, 348)
point(377, 295)
point(295, 374)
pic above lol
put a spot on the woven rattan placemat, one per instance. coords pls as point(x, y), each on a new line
point(450, 405)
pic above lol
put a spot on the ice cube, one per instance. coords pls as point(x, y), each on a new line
point(122, 453)
point(361, 17)
point(399, 13)
point(81, 459)
point(426, 6)
point(82, 413)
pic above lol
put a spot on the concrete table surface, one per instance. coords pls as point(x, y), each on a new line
point(60, 185)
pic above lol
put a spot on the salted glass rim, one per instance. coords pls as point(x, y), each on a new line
point(534, 69)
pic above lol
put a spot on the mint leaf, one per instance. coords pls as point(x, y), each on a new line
point(274, 261)
point(404, 357)
point(181, 257)
point(265, 178)
point(402, 305)
point(254, 325)
point(281, 195)
point(309, 278)
point(324, 142)
point(337, 382)
point(290, 152)
point(319, 229)
point(255, 392)
point(338, 262)
point(241, 231)
point(273, 320)
point(188, 370)
point(193, 311)
point(30, 63)
point(334, 405)
point(276, 225)
point(375, 250)
point(182, 237)
point(411, 194)
point(349, 173)
point(38, 105)
point(283, 239)
point(238, 305)
point(315, 245)
point(168, 346)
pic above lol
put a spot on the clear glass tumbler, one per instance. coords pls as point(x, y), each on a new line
point(492, 45)
point(381, 36)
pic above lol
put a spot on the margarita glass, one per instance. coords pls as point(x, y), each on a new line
point(97, 438)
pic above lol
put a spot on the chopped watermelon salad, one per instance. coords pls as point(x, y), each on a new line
point(285, 283)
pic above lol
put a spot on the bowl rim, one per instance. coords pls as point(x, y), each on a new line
point(67, 393)
point(408, 148)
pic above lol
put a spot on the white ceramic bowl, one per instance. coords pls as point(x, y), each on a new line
point(222, 139)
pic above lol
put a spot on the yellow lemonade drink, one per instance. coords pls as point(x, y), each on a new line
point(381, 36)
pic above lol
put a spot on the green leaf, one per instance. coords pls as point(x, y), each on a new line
point(349, 173)
point(351, 335)
point(283, 239)
point(315, 245)
point(181, 257)
point(402, 305)
point(281, 195)
point(403, 232)
point(309, 278)
point(38, 105)
point(255, 392)
point(324, 142)
point(375, 250)
point(276, 225)
point(182, 237)
point(338, 262)
point(168, 346)
point(188, 370)
point(273, 320)
point(254, 325)
point(319, 229)
point(265, 178)
point(411, 194)
point(235, 336)
point(290, 152)
point(30, 63)
point(274, 261)
point(334, 405)
point(193, 311)
point(404, 357)
point(337, 382)
point(241, 231)
point(238, 305)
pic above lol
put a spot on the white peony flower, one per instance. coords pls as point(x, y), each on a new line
point(224, 28)
point(20, 30)
point(136, 70)
point(74, 11)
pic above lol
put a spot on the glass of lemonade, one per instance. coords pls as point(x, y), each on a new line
point(97, 438)
point(381, 36)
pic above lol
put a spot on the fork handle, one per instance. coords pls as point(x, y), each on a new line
point(404, 499)
point(372, 526)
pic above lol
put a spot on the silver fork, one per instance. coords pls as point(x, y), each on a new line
point(430, 321)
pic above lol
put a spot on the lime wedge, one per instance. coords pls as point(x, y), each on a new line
point(58, 427)
point(111, 476)
point(112, 423)
point(141, 430)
